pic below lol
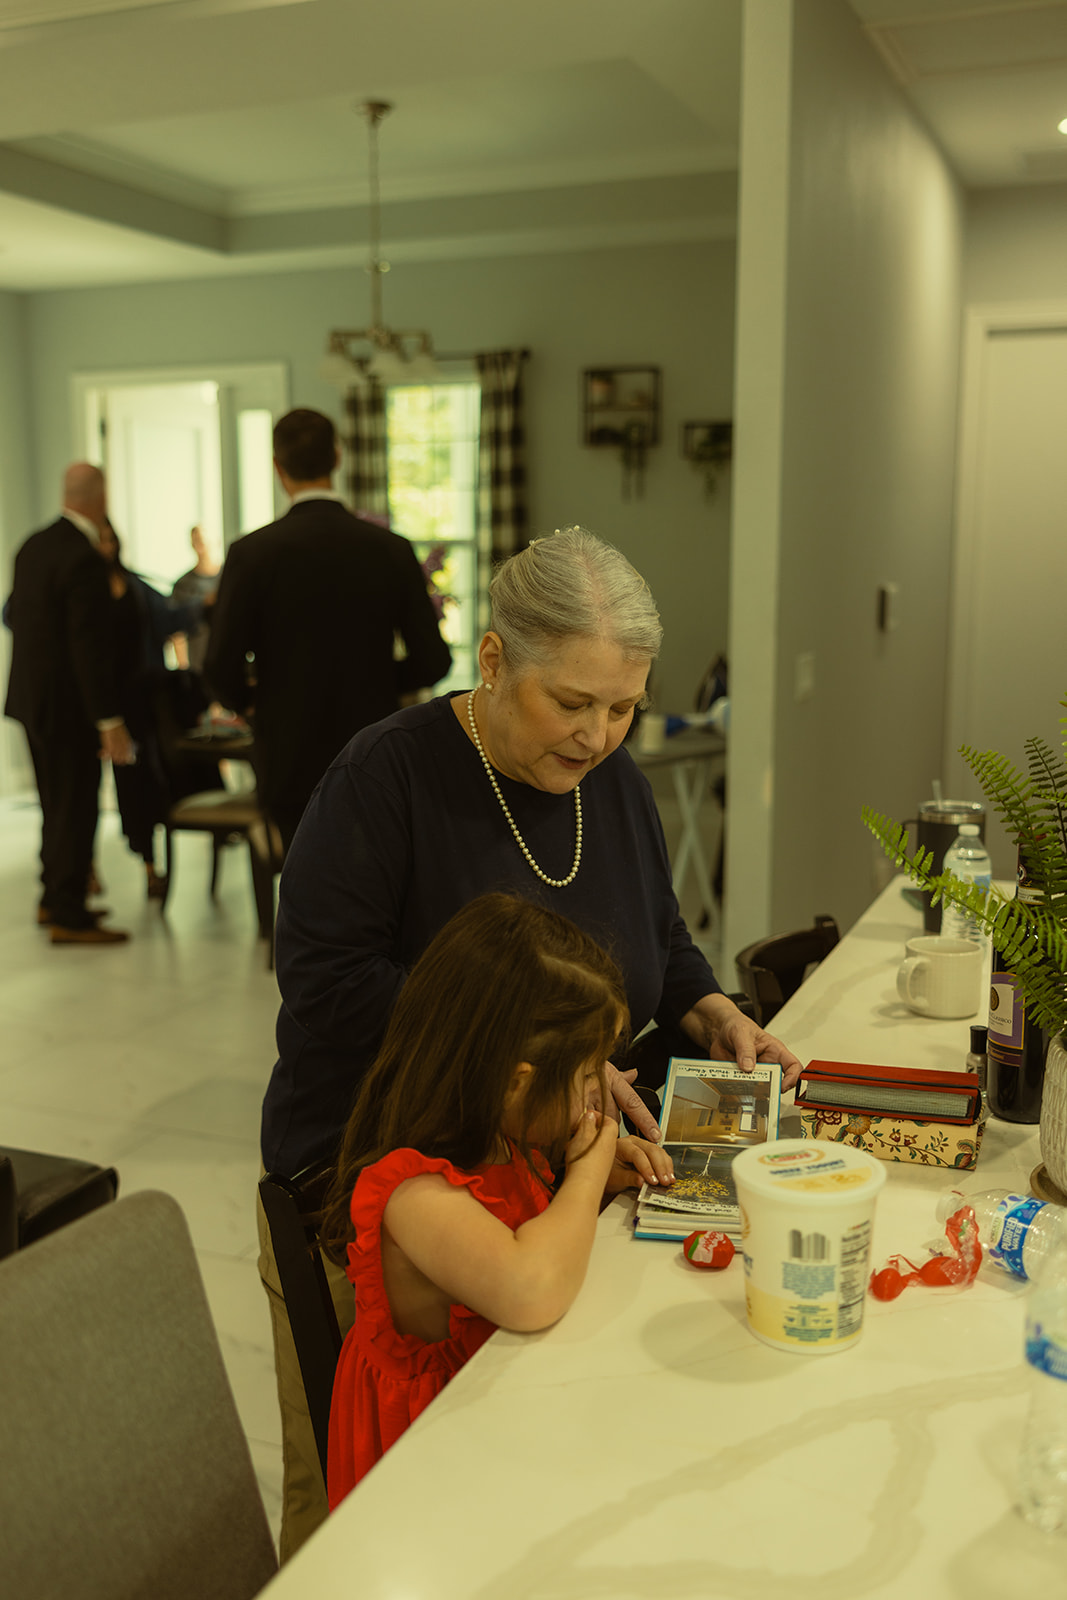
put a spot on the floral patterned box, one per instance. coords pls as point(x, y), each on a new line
point(934, 1119)
point(930, 1144)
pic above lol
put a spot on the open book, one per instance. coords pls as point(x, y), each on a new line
point(711, 1111)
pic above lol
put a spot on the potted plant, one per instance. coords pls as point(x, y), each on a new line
point(1032, 939)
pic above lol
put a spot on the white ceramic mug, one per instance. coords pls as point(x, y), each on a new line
point(652, 733)
point(941, 977)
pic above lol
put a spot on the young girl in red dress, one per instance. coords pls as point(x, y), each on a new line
point(487, 1081)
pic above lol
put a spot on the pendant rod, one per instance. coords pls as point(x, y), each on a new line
point(374, 111)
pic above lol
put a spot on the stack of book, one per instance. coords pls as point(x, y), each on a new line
point(711, 1112)
point(934, 1119)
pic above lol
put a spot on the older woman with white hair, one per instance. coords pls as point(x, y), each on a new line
point(518, 784)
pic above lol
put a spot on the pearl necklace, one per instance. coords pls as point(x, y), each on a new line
point(553, 883)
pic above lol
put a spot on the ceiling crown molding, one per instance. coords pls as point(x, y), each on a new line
point(270, 198)
point(27, 18)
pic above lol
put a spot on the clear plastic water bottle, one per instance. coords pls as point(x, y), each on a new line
point(1043, 1461)
point(1019, 1233)
point(967, 859)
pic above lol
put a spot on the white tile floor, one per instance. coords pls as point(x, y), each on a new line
point(152, 1057)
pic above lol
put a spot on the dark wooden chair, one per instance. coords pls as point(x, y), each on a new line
point(293, 1207)
point(226, 816)
point(772, 969)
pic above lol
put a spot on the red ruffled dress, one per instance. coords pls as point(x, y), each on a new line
point(385, 1378)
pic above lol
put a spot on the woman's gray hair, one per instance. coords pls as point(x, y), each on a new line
point(571, 584)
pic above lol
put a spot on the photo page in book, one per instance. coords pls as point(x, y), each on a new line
point(711, 1111)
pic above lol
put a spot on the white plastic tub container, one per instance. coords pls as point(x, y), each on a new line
point(807, 1210)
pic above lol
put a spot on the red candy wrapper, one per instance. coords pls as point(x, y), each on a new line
point(715, 1250)
point(958, 1269)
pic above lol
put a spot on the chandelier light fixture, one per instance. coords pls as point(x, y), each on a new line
point(390, 355)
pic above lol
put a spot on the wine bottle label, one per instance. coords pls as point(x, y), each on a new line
point(1007, 1014)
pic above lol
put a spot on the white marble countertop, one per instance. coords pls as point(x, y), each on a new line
point(648, 1445)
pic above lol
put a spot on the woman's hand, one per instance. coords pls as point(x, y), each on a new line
point(726, 1033)
point(637, 1161)
point(631, 1105)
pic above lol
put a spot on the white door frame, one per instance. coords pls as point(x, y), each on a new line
point(981, 323)
point(274, 375)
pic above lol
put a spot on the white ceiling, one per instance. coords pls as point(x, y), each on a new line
point(148, 139)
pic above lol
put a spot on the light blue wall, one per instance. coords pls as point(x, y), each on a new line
point(16, 498)
point(1017, 245)
point(16, 460)
point(860, 435)
point(670, 306)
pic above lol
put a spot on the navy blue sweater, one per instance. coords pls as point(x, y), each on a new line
point(403, 830)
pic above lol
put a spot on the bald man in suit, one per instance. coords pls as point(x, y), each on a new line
point(63, 690)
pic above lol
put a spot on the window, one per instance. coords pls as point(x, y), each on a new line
point(433, 501)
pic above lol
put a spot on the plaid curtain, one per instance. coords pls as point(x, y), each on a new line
point(366, 464)
point(502, 514)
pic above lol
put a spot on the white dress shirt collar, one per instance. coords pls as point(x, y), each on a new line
point(86, 524)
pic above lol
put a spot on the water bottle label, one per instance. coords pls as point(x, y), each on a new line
point(1006, 1013)
point(1045, 1353)
point(1015, 1215)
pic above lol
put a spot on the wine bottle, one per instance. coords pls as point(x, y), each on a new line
point(1015, 1044)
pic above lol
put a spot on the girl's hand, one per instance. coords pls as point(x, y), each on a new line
point(639, 1161)
point(593, 1130)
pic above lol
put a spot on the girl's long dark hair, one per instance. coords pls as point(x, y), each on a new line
point(504, 981)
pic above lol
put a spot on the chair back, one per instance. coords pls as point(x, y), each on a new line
point(176, 700)
point(772, 969)
point(50, 1191)
point(9, 1208)
point(126, 1470)
point(293, 1207)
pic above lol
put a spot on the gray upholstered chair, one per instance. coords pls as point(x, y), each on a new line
point(125, 1472)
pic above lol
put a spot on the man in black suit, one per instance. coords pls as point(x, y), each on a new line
point(317, 599)
point(62, 689)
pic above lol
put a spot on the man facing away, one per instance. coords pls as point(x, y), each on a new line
point(62, 689)
point(317, 599)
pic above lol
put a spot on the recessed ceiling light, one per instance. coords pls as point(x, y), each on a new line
point(1062, 125)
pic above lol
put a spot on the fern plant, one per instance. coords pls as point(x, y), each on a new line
point(1032, 939)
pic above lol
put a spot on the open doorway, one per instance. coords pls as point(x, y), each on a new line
point(181, 448)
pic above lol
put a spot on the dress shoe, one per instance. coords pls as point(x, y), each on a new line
point(93, 935)
point(44, 916)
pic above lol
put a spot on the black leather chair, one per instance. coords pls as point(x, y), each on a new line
point(293, 1207)
point(772, 969)
point(40, 1193)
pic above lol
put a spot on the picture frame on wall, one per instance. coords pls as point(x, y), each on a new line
point(620, 406)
